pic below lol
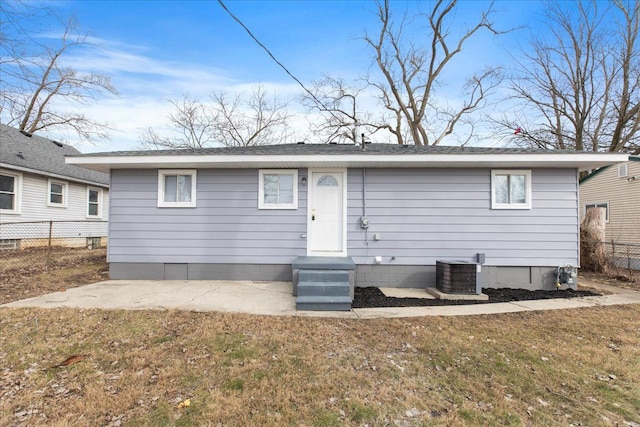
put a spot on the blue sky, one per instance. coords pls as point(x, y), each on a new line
point(154, 50)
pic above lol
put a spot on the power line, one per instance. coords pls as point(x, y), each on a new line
point(276, 60)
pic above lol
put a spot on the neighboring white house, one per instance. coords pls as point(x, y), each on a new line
point(36, 187)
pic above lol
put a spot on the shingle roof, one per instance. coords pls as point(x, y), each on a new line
point(343, 155)
point(43, 155)
point(325, 149)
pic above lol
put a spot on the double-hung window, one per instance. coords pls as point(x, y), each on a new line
point(278, 189)
point(94, 202)
point(511, 189)
point(57, 194)
point(177, 188)
point(10, 185)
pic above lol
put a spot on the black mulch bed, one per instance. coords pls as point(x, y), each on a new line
point(373, 297)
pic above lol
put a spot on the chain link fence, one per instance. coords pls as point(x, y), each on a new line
point(48, 243)
point(621, 256)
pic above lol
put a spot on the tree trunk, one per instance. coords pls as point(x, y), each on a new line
point(592, 240)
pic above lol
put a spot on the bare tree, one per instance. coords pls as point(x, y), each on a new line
point(411, 74)
point(190, 125)
point(256, 119)
point(337, 101)
point(36, 83)
point(626, 99)
point(579, 89)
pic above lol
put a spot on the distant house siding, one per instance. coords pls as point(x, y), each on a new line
point(34, 215)
point(34, 201)
point(421, 215)
point(623, 197)
point(226, 225)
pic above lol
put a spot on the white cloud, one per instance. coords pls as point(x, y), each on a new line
point(145, 84)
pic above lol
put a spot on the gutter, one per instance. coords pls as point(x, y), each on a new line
point(581, 161)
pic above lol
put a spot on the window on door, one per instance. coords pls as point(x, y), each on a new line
point(327, 181)
point(278, 189)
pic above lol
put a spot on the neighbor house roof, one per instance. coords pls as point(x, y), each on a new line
point(31, 153)
point(602, 169)
point(345, 155)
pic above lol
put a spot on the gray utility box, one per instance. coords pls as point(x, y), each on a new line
point(458, 277)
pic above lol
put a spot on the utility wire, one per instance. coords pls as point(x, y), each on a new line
point(278, 62)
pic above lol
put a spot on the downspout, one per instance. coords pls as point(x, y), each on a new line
point(364, 203)
point(579, 207)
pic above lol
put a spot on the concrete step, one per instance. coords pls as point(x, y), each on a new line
point(323, 303)
point(323, 276)
point(324, 289)
point(323, 263)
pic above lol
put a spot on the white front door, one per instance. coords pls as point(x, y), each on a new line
point(326, 213)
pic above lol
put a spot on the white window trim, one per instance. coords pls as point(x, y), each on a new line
point(164, 172)
point(99, 190)
point(262, 204)
point(65, 193)
point(606, 207)
point(17, 191)
point(496, 205)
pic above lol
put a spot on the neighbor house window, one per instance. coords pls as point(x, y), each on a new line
point(10, 185)
point(94, 202)
point(278, 189)
point(57, 194)
point(604, 205)
point(510, 189)
point(177, 188)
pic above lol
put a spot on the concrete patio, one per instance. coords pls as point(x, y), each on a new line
point(276, 299)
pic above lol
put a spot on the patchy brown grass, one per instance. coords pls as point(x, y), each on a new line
point(138, 368)
point(629, 279)
point(26, 273)
point(538, 368)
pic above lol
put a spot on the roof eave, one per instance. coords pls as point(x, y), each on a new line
point(54, 175)
point(581, 161)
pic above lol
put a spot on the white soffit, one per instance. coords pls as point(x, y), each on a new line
point(582, 161)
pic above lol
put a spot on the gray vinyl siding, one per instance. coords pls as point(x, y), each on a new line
point(225, 227)
point(422, 215)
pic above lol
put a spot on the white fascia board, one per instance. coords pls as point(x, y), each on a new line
point(54, 175)
point(582, 161)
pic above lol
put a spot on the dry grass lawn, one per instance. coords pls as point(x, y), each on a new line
point(141, 368)
point(26, 273)
point(573, 367)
